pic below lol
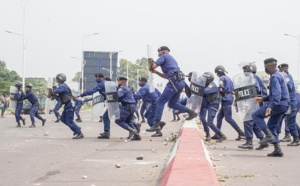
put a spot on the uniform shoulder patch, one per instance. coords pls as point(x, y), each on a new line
point(210, 86)
point(220, 82)
point(287, 79)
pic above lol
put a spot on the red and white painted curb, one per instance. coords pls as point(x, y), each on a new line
point(189, 163)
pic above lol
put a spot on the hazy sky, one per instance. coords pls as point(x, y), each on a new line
point(200, 34)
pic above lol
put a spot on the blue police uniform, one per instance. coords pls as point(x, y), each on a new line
point(100, 87)
point(127, 108)
point(202, 115)
point(67, 116)
point(250, 126)
point(169, 67)
point(19, 106)
point(142, 94)
point(290, 119)
point(30, 96)
point(78, 105)
point(278, 101)
point(226, 103)
point(57, 107)
point(211, 101)
point(176, 112)
point(150, 113)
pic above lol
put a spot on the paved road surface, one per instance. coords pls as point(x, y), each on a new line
point(48, 156)
point(236, 167)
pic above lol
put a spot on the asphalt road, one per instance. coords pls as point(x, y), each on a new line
point(48, 156)
point(236, 167)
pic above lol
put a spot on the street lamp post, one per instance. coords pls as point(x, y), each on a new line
point(298, 65)
point(110, 62)
point(265, 53)
point(82, 65)
point(84, 36)
point(110, 72)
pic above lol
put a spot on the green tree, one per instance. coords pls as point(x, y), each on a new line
point(77, 77)
point(7, 77)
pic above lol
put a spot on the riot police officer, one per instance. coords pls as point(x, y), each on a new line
point(276, 107)
point(144, 87)
point(291, 117)
point(57, 106)
point(34, 112)
point(65, 95)
point(211, 100)
point(226, 91)
point(171, 94)
point(19, 106)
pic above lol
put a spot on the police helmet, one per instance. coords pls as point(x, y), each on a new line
point(254, 68)
point(220, 69)
point(209, 77)
point(18, 84)
point(189, 76)
point(61, 77)
point(163, 48)
point(29, 85)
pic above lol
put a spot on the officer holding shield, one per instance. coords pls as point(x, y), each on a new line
point(171, 94)
point(226, 92)
point(277, 106)
point(19, 106)
point(290, 118)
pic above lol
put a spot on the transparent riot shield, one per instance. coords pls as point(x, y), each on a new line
point(98, 106)
point(13, 97)
point(245, 92)
point(197, 87)
point(112, 99)
point(49, 103)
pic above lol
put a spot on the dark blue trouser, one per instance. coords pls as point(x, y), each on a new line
point(106, 121)
point(144, 108)
point(290, 124)
point(34, 112)
point(211, 114)
point(18, 112)
point(276, 115)
point(56, 109)
point(250, 127)
point(226, 111)
point(67, 117)
point(77, 109)
point(126, 117)
point(202, 117)
point(169, 94)
point(150, 114)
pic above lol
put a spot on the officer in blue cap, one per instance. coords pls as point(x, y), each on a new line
point(100, 87)
point(65, 95)
point(34, 112)
point(226, 91)
point(19, 106)
point(144, 107)
point(249, 126)
point(211, 98)
point(57, 106)
point(276, 107)
point(290, 118)
point(171, 94)
point(126, 109)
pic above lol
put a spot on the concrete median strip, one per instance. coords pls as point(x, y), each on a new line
point(189, 162)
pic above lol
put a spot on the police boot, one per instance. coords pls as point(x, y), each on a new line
point(32, 126)
point(101, 119)
point(104, 135)
point(78, 136)
point(155, 127)
point(43, 122)
point(131, 132)
point(157, 134)
point(138, 127)
point(262, 146)
point(207, 137)
point(277, 151)
point(178, 118)
point(269, 138)
point(143, 121)
point(295, 142)
point(247, 145)
point(286, 138)
point(57, 119)
point(19, 125)
point(79, 120)
point(136, 137)
point(222, 137)
point(215, 137)
point(23, 120)
point(241, 135)
point(192, 114)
